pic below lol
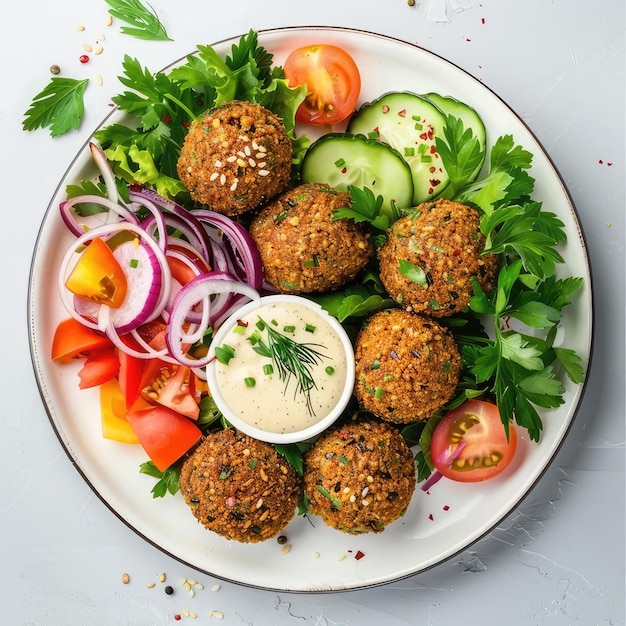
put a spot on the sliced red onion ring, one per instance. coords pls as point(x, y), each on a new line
point(165, 204)
point(200, 290)
point(112, 208)
point(244, 253)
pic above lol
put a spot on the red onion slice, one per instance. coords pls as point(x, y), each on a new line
point(245, 257)
point(200, 290)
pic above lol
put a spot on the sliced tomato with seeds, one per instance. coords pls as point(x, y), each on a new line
point(332, 79)
point(470, 443)
point(172, 387)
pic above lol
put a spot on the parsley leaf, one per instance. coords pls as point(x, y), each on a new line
point(413, 272)
point(364, 207)
point(169, 480)
point(461, 154)
point(527, 231)
point(59, 106)
point(519, 367)
point(144, 22)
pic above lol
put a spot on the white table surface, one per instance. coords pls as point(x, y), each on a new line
point(558, 559)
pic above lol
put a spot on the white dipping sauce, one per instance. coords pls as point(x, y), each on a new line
point(250, 383)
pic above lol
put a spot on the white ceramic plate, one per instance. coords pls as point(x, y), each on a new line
point(438, 525)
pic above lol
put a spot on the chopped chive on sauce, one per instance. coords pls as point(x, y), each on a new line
point(224, 353)
point(289, 329)
point(268, 369)
point(310, 328)
point(254, 337)
point(134, 263)
point(248, 381)
point(330, 370)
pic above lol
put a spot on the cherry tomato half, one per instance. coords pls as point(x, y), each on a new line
point(333, 83)
point(486, 451)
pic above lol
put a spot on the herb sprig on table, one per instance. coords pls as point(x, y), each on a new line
point(143, 22)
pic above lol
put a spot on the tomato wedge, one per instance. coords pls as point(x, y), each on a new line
point(332, 79)
point(73, 340)
point(97, 276)
point(470, 444)
point(99, 367)
point(173, 388)
point(164, 434)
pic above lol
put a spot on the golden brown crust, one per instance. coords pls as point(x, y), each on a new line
point(407, 366)
point(235, 158)
point(239, 487)
point(359, 477)
point(444, 240)
point(305, 250)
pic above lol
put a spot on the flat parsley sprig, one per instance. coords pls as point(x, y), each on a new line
point(143, 22)
point(518, 365)
point(59, 106)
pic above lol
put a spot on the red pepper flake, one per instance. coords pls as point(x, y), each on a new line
point(430, 517)
point(482, 20)
point(385, 108)
point(402, 113)
point(446, 508)
point(359, 555)
point(467, 39)
point(609, 164)
point(344, 170)
point(167, 119)
point(178, 617)
point(83, 58)
point(186, 124)
point(456, 252)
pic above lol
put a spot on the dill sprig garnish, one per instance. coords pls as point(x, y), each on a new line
point(291, 358)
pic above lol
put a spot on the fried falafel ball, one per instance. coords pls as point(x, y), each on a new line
point(239, 487)
point(359, 477)
point(440, 245)
point(407, 366)
point(305, 250)
point(235, 157)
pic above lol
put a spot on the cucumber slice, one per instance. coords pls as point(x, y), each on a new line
point(451, 106)
point(410, 124)
point(343, 159)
